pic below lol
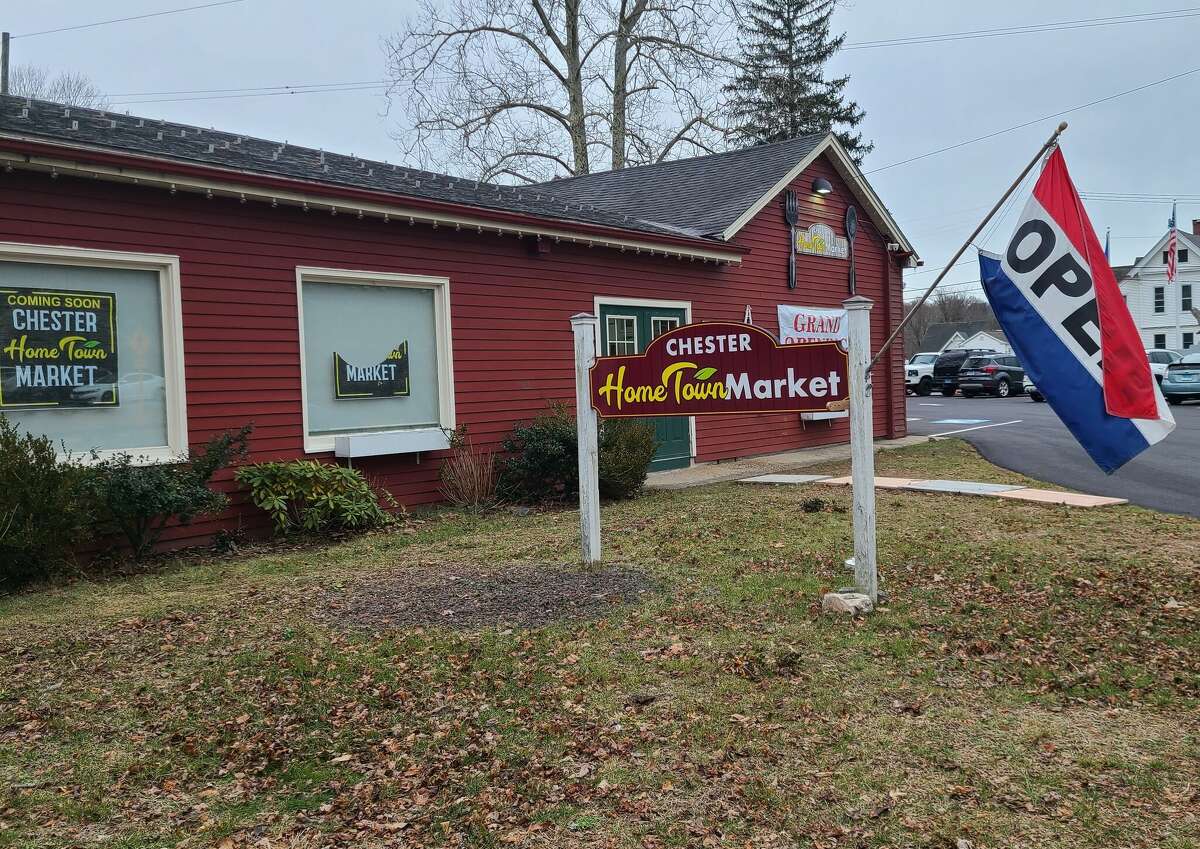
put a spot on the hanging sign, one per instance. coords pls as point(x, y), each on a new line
point(718, 368)
point(387, 379)
point(820, 240)
point(812, 324)
point(58, 349)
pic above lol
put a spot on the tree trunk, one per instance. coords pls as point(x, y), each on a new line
point(576, 105)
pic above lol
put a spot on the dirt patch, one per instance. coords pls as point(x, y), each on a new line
point(471, 596)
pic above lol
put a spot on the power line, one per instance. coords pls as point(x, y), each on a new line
point(370, 87)
point(130, 18)
point(1027, 29)
point(1025, 124)
point(245, 88)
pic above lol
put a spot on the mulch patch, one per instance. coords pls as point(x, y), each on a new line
point(470, 596)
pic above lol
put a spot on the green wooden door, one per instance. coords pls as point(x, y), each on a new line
point(628, 329)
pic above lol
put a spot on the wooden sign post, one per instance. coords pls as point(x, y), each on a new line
point(862, 446)
point(585, 326)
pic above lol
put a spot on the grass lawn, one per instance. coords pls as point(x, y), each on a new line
point(1034, 681)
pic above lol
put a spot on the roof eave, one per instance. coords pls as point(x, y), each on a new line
point(104, 163)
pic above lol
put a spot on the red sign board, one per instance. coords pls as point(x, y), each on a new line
point(718, 368)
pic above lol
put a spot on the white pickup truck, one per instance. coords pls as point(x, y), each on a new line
point(918, 373)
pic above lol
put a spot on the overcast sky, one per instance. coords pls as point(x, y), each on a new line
point(917, 97)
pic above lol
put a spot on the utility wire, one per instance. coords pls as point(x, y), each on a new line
point(130, 18)
point(1027, 29)
point(1039, 120)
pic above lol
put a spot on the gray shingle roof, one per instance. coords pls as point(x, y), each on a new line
point(183, 143)
point(701, 196)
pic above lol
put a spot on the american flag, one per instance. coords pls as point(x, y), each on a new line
point(1172, 248)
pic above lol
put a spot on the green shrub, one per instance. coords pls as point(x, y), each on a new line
point(543, 458)
point(627, 448)
point(542, 463)
point(316, 497)
point(137, 500)
point(42, 516)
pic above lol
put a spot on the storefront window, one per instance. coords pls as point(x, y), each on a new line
point(85, 357)
point(375, 353)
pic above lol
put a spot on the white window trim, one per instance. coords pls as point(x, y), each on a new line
point(655, 318)
point(632, 318)
point(167, 268)
point(441, 317)
point(686, 306)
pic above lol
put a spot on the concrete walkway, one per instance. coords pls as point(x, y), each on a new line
point(731, 470)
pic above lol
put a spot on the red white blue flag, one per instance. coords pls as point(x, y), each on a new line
point(1172, 249)
point(1058, 302)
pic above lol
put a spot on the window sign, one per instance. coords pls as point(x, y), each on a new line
point(373, 337)
point(388, 379)
point(108, 387)
point(58, 348)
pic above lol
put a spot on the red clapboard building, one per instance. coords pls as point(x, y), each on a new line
point(354, 310)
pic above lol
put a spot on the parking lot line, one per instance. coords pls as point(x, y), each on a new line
point(977, 427)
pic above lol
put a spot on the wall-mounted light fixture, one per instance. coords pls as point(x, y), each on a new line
point(822, 186)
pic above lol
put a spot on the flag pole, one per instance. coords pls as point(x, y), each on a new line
point(1177, 296)
point(1050, 142)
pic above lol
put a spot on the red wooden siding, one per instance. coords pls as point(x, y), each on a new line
point(510, 308)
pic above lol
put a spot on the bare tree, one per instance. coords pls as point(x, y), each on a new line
point(533, 89)
point(959, 306)
point(69, 87)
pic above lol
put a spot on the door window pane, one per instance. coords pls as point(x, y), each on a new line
point(98, 393)
point(622, 335)
point(660, 324)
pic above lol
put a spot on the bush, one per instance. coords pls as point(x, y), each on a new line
point(42, 516)
point(543, 458)
point(315, 497)
point(468, 477)
point(138, 500)
point(627, 448)
point(542, 463)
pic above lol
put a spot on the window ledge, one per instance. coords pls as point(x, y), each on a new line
point(410, 441)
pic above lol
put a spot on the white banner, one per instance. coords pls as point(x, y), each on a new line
point(812, 324)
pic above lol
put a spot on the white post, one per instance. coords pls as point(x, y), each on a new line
point(862, 445)
point(584, 326)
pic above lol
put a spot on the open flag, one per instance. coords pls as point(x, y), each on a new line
point(1058, 302)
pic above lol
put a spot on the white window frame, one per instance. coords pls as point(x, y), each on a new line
point(618, 302)
point(656, 318)
point(607, 332)
point(167, 268)
point(440, 286)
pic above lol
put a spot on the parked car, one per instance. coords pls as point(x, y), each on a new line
point(1160, 359)
point(1182, 380)
point(996, 374)
point(945, 368)
point(918, 373)
point(1032, 391)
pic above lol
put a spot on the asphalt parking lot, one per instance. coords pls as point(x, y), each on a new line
point(1027, 437)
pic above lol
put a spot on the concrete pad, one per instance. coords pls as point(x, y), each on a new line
point(962, 487)
point(1071, 499)
point(880, 483)
point(784, 479)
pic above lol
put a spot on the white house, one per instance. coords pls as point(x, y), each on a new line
point(1157, 305)
point(981, 335)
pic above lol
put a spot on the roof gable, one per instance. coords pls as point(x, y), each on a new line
point(717, 195)
point(939, 335)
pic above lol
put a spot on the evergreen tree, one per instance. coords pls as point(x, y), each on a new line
point(781, 91)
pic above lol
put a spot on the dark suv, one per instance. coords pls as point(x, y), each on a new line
point(945, 368)
point(999, 374)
